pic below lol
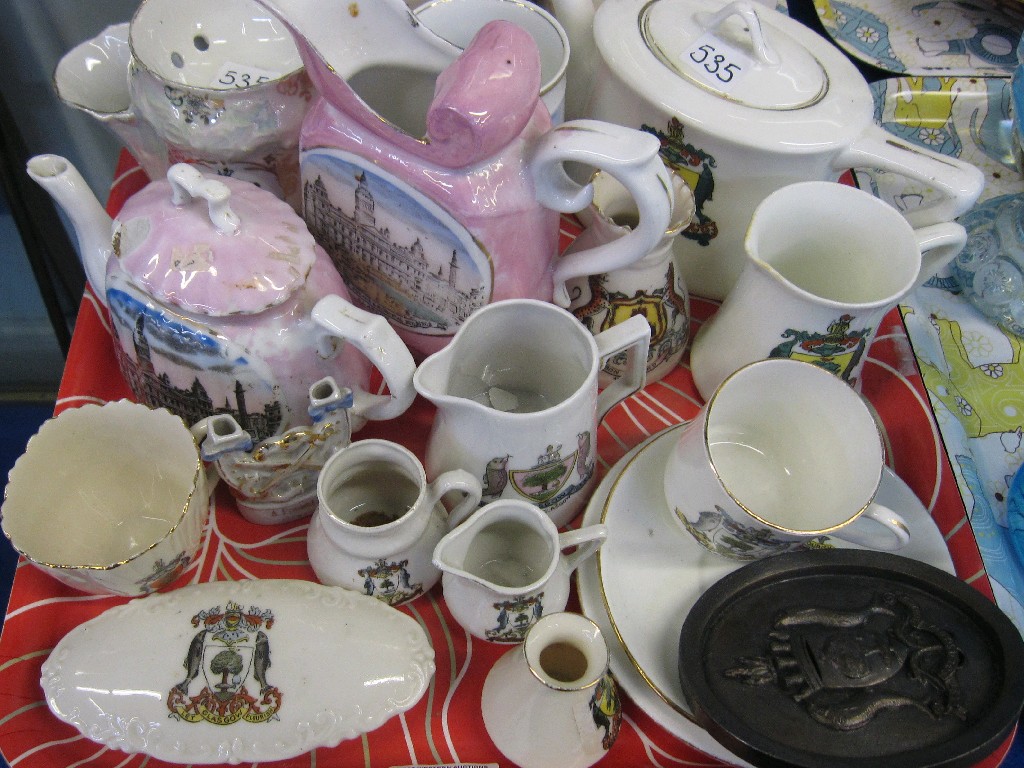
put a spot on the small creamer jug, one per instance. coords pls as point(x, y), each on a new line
point(504, 568)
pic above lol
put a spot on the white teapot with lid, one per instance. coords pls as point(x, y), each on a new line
point(222, 304)
point(745, 100)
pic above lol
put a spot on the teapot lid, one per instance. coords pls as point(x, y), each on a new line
point(210, 245)
point(733, 51)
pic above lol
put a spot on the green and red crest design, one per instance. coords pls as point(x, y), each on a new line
point(838, 350)
point(226, 669)
point(696, 168)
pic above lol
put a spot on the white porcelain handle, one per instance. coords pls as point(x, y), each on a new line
point(587, 541)
point(634, 337)
point(939, 245)
point(457, 480)
point(759, 44)
point(188, 183)
point(378, 341)
point(877, 527)
point(958, 183)
point(632, 158)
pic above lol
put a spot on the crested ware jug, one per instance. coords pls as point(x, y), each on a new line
point(652, 287)
point(434, 178)
point(220, 85)
point(505, 567)
point(744, 101)
point(518, 404)
point(221, 303)
point(825, 263)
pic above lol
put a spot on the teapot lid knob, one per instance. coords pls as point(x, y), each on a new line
point(188, 183)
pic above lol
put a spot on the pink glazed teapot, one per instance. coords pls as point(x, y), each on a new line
point(434, 179)
point(221, 304)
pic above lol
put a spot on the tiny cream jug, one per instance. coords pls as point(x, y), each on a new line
point(825, 262)
point(744, 100)
point(518, 405)
point(504, 568)
point(552, 702)
point(220, 85)
point(379, 520)
point(221, 302)
point(652, 287)
point(434, 178)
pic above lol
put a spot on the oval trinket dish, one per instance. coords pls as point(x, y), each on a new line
point(230, 672)
point(851, 659)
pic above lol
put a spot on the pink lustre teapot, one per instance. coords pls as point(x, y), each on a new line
point(222, 304)
point(434, 179)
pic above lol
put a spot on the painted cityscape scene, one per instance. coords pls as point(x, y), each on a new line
point(401, 255)
point(173, 364)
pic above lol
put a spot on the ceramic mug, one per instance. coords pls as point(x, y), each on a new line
point(378, 520)
point(109, 499)
point(518, 405)
point(781, 457)
point(457, 21)
point(825, 263)
point(505, 568)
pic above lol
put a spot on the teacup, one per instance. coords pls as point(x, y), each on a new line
point(457, 21)
point(378, 520)
point(783, 456)
point(109, 499)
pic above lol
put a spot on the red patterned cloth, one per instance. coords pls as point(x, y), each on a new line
point(446, 726)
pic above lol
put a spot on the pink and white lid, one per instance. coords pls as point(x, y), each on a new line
point(214, 246)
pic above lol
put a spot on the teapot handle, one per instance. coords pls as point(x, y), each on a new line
point(379, 342)
point(188, 183)
point(958, 184)
point(939, 244)
point(628, 155)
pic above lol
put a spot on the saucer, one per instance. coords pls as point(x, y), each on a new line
point(642, 601)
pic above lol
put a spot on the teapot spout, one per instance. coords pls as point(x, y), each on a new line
point(93, 227)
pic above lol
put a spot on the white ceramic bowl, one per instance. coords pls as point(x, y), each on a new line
point(109, 498)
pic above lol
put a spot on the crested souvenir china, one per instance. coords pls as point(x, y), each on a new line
point(518, 404)
point(552, 703)
point(379, 519)
point(505, 567)
point(782, 455)
point(642, 624)
point(652, 287)
point(221, 302)
point(274, 481)
point(434, 179)
point(219, 84)
point(825, 263)
point(109, 499)
point(457, 21)
point(744, 101)
point(238, 672)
